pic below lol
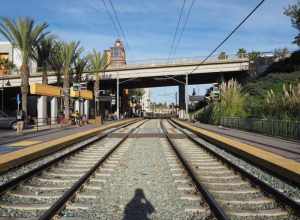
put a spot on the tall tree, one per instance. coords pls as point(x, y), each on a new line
point(70, 52)
point(97, 64)
point(293, 11)
point(56, 60)
point(281, 53)
point(23, 34)
point(222, 56)
point(253, 55)
point(241, 53)
point(80, 65)
point(43, 50)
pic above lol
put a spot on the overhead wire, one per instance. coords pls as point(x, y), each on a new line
point(177, 28)
point(229, 35)
point(119, 23)
point(184, 27)
point(112, 19)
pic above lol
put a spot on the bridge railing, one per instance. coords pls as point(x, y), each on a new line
point(280, 128)
point(185, 60)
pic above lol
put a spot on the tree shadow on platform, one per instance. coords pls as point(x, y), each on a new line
point(139, 208)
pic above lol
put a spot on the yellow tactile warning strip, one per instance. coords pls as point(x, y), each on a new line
point(16, 158)
point(282, 166)
point(23, 143)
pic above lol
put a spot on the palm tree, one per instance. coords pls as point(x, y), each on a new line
point(56, 60)
point(222, 56)
point(23, 34)
point(241, 53)
point(80, 65)
point(97, 63)
point(70, 52)
point(42, 56)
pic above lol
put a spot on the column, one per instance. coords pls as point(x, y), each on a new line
point(187, 116)
point(42, 111)
point(181, 96)
point(222, 78)
point(86, 108)
point(181, 99)
point(76, 105)
point(54, 110)
point(118, 99)
point(81, 107)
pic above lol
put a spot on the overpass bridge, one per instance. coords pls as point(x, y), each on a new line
point(158, 72)
point(172, 73)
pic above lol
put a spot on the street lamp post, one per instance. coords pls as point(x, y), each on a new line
point(117, 97)
point(2, 94)
point(186, 96)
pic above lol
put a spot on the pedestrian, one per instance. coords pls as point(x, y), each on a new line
point(20, 122)
point(84, 120)
point(77, 119)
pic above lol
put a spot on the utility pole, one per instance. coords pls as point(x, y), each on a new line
point(117, 97)
point(2, 93)
point(176, 103)
point(186, 96)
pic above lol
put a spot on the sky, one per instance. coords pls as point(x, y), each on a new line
point(150, 25)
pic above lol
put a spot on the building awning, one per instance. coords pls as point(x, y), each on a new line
point(85, 94)
point(45, 90)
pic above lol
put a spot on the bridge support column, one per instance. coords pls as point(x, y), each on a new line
point(181, 92)
point(222, 78)
point(54, 110)
point(42, 111)
point(181, 97)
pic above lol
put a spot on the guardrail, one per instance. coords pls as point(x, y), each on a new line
point(280, 128)
point(48, 123)
point(184, 60)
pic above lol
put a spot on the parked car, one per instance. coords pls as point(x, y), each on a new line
point(7, 121)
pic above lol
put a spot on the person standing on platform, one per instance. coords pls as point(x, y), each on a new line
point(20, 122)
point(77, 118)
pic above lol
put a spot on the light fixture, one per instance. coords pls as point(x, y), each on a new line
point(8, 83)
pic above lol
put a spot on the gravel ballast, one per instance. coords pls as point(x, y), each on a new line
point(141, 186)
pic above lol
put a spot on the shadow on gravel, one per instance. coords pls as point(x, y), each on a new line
point(139, 208)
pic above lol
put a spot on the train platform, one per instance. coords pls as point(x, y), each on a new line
point(281, 158)
point(285, 148)
point(29, 148)
point(15, 142)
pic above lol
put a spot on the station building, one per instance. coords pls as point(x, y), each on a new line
point(47, 101)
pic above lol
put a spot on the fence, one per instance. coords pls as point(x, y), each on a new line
point(280, 128)
point(47, 123)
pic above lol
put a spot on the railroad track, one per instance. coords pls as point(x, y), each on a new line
point(230, 191)
point(47, 190)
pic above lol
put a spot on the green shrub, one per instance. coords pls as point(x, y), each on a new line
point(232, 102)
point(284, 104)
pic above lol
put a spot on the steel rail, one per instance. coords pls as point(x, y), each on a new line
point(16, 181)
point(60, 204)
point(213, 204)
point(264, 186)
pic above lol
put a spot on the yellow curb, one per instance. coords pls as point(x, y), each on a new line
point(16, 158)
point(278, 164)
point(23, 143)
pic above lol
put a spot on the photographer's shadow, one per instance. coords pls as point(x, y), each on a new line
point(139, 208)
